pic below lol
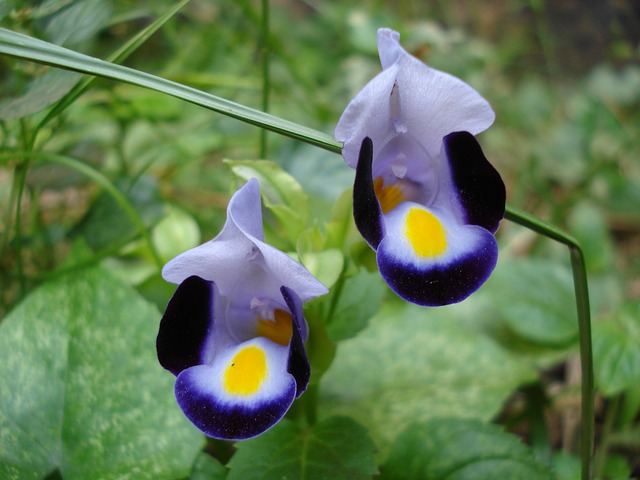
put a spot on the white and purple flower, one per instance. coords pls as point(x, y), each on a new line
point(425, 197)
point(233, 332)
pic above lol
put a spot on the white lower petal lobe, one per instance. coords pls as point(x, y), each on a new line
point(245, 391)
point(428, 258)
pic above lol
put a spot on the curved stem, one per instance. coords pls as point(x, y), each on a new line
point(100, 179)
point(584, 327)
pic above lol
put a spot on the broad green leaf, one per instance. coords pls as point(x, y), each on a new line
point(29, 48)
point(460, 449)
point(82, 391)
point(335, 448)
point(411, 364)
point(616, 350)
point(535, 299)
point(208, 468)
point(282, 195)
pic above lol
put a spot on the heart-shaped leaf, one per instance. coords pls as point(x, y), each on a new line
point(82, 391)
point(337, 447)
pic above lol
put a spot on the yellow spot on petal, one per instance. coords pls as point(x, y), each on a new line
point(246, 372)
point(389, 196)
point(279, 329)
point(425, 233)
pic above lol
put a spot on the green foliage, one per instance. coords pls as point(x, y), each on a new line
point(82, 391)
point(337, 447)
point(458, 449)
point(412, 364)
point(535, 299)
point(616, 345)
point(346, 310)
point(116, 164)
point(104, 224)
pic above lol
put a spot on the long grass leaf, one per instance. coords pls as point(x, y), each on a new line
point(28, 48)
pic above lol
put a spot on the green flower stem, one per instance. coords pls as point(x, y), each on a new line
point(101, 180)
point(584, 327)
point(28, 48)
point(266, 74)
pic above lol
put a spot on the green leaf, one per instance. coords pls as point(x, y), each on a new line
point(78, 22)
point(325, 264)
point(177, 232)
point(28, 48)
point(208, 468)
point(348, 307)
point(411, 364)
point(71, 25)
point(118, 56)
point(535, 299)
point(40, 93)
point(337, 447)
point(104, 224)
point(460, 449)
point(616, 350)
point(589, 226)
point(82, 391)
point(282, 195)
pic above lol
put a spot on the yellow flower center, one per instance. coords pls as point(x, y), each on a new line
point(389, 196)
point(425, 233)
point(279, 329)
point(246, 372)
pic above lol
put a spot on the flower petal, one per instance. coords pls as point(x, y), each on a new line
point(366, 208)
point(298, 365)
point(238, 261)
point(243, 393)
point(409, 96)
point(428, 258)
point(186, 325)
point(479, 186)
point(389, 48)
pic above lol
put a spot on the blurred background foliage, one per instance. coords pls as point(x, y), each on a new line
point(563, 78)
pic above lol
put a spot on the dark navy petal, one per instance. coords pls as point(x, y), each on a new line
point(429, 259)
point(479, 186)
point(366, 209)
point(252, 401)
point(298, 365)
point(185, 325)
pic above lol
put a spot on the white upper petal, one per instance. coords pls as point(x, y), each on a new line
point(431, 104)
point(239, 262)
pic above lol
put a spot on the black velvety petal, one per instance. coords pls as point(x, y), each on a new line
point(219, 418)
point(298, 362)
point(366, 209)
point(480, 188)
point(185, 325)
